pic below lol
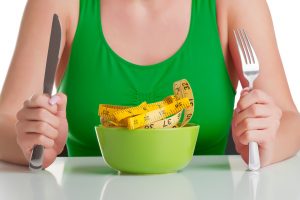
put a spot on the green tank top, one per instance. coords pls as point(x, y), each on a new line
point(96, 74)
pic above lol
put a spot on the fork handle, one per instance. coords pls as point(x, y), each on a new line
point(254, 160)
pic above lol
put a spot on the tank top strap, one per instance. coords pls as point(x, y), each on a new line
point(206, 6)
point(88, 22)
point(205, 17)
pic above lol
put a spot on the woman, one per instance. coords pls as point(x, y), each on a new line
point(129, 51)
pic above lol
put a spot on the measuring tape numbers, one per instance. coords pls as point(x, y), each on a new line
point(163, 114)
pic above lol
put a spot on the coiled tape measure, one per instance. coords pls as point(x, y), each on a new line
point(163, 114)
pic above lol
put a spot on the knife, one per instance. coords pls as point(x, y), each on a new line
point(36, 159)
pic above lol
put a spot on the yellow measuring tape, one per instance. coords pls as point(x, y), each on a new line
point(163, 114)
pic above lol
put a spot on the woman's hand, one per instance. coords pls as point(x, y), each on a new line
point(43, 121)
point(256, 119)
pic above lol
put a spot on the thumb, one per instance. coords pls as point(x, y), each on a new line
point(60, 99)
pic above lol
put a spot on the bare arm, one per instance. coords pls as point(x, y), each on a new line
point(255, 18)
point(26, 71)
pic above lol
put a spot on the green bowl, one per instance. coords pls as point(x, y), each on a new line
point(147, 151)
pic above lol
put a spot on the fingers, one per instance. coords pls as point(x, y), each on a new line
point(30, 133)
point(256, 111)
point(253, 97)
point(31, 139)
point(260, 130)
point(27, 141)
point(56, 103)
point(259, 136)
point(253, 111)
point(40, 101)
point(38, 114)
point(39, 122)
point(256, 119)
point(40, 127)
point(250, 124)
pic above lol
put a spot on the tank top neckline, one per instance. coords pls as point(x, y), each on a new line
point(155, 65)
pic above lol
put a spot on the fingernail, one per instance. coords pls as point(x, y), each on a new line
point(238, 110)
point(54, 100)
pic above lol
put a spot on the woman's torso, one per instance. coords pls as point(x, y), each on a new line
point(72, 13)
point(140, 54)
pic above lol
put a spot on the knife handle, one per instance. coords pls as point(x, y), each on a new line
point(254, 160)
point(37, 157)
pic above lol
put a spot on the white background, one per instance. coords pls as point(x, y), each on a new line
point(285, 14)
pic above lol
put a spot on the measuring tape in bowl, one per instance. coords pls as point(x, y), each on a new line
point(163, 114)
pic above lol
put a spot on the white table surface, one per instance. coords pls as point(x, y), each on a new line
point(206, 177)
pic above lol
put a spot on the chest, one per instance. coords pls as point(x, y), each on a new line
point(145, 33)
point(146, 36)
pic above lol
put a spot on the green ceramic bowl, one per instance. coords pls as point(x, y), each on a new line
point(148, 151)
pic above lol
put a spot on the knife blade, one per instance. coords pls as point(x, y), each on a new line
point(36, 159)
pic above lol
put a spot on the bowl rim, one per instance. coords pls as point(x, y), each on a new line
point(191, 125)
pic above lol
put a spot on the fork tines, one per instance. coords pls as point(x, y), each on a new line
point(245, 46)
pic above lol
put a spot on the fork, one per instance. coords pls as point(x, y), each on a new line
point(250, 68)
